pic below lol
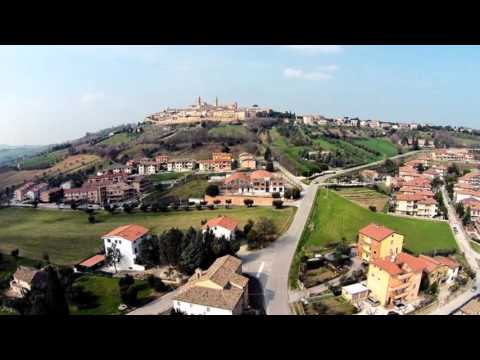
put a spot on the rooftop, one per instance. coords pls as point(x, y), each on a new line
point(376, 232)
point(222, 221)
point(130, 232)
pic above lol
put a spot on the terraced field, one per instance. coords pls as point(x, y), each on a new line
point(383, 146)
point(118, 139)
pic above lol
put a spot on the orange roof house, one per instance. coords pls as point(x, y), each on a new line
point(222, 221)
point(377, 242)
point(128, 232)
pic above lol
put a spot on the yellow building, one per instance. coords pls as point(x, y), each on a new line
point(377, 242)
point(395, 279)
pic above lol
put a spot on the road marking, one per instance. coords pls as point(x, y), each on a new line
point(260, 269)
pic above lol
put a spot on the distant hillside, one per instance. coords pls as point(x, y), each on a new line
point(9, 154)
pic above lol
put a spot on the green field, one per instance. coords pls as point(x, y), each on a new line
point(9, 264)
point(167, 176)
point(118, 139)
point(334, 218)
point(475, 246)
point(67, 236)
point(230, 131)
point(107, 293)
point(192, 189)
point(383, 146)
point(45, 160)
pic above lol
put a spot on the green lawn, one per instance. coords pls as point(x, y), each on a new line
point(383, 146)
point(167, 176)
point(68, 237)
point(334, 217)
point(192, 189)
point(475, 246)
point(9, 264)
point(330, 305)
point(107, 293)
point(118, 139)
point(45, 160)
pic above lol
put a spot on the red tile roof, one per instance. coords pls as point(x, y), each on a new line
point(222, 221)
point(387, 266)
point(94, 260)
point(261, 174)
point(413, 262)
point(128, 232)
point(447, 262)
point(376, 232)
point(237, 176)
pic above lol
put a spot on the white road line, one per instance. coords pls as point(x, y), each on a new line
point(260, 269)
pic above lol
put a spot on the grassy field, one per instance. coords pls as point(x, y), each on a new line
point(230, 131)
point(192, 189)
point(167, 176)
point(12, 177)
point(365, 197)
point(334, 218)
point(383, 146)
point(67, 236)
point(9, 264)
point(117, 139)
point(330, 305)
point(475, 246)
point(107, 293)
point(45, 160)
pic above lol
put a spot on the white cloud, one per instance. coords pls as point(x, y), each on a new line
point(92, 97)
point(316, 49)
point(319, 73)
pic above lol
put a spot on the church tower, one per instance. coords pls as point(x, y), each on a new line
point(216, 101)
point(199, 101)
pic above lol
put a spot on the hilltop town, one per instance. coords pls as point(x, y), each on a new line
point(210, 208)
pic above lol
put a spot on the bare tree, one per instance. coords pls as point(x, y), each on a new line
point(113, 256)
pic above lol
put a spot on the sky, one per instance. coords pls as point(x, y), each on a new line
point(50, 94)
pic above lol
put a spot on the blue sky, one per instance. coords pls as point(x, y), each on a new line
point(50, 94)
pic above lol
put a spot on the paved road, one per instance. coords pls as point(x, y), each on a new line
point(156, 307)
point(470, 255)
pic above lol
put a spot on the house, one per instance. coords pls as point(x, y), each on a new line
point(21, 192)
point(395, 279)
point(369, 175)
point(440, 269)
point(472, 179)
point(127, 240)
point(222, 226)
point(462, 192)
point(258, 183)
point(147, 168)
point(181, 165)
point(376, 241)
point(474, 206)
point(355, 293)
point(34, 192)
point(161, 159)
point(220, 290)
point(453, 154)
point(22, 280)
point(247, 161)
point(220, 162)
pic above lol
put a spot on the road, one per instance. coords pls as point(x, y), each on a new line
point(156, 307)
point(470, 255)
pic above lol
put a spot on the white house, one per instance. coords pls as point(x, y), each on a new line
point(222, 226)
point(22, 280)
point(127, 240)
point(221, 290)
point(147, 168)
point(180, 165)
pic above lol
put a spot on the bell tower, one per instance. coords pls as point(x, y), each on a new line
point(216, 101)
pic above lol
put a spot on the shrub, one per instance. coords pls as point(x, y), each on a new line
point(288, 193)
point(277, 204)
point(216, 201)
point(212, 190)
point(156, 283)
point(248, 202)
point(198, 207)
point(296, 193)
point(373, 208)
point(276, 195)
point(210, 206)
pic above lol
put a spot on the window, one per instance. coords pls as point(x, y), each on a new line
point(208, 309)
point(108, 241)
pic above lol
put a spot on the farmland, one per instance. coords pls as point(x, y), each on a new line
point(67, 236)
point(44, 161)
point(364, 197)
point(117, 139)
point(382, 145)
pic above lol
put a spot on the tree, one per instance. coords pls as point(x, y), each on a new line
point(248, 226)
point(287, 193)
point(263, 232)
point(73, 205)
point(421, 168)
point(35, 204)
point(248, 202)
point(467, 217)
point(278, 204)
point(47, 295)
point(156, 283)
point(460, 210)
point(193, 255)
point(212, 190)
point(149, 254)
point(296, 193)
point(46, 258)
point(228, 202)
point(113, 256)
point(276, 195)
point(15, 253)
point(268, 154)
point(128, 290)
point(270, 167)
point(216, 201)
point(91, 219)
point(171, 246)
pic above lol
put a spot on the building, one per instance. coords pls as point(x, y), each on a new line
point(395, 279)
point(474, 206)
point(416, 204)
point(440, 269)
point(141, 184)
point(148, 168)
point(181, 165)
point(257, 183)
point(462, 192)
point(377, 242)
point(161, 159)
point(107, 179)
point(120, 192)
point(220, 162)
point(90, 194)
point(247, 161)
point(202, 111)
point(67, 185)
point(471, 179)
point(222, 226)
point(51, 195)
point(355, 293)
point(91, 264)
point(22, 280)
point(221, 290)
point(453, 154)
point(127, 240)
point(369, 175)
point(21, 192)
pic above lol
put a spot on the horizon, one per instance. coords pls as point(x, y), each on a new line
point(54, 94)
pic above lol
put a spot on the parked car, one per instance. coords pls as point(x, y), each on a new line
point(400, 306)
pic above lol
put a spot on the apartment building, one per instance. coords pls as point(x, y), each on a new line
point(472, 179)
point(51, 195)
point(453, 154)
point(91, 194)
point(148, 167)
point(462, 192)
point(395, 278)
point(474, 205)
point(377, 242)
point(416, 204)
point(119, 192)
point(220, 162)
point(181, 165)
point(439, 269)
point(33, 193)
point(21, 192)
point(106, 179)
point(258, 183)
point(247, 161)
